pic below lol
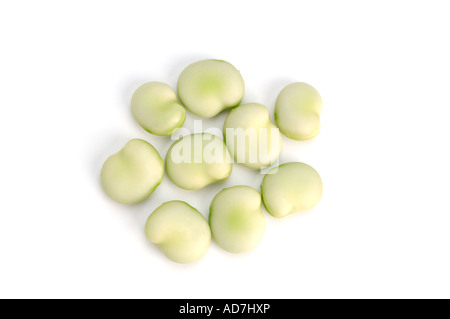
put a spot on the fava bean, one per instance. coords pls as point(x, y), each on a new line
point(208, 87)
point(155, 107)
point(291, 187)
point(131, 175)
point(297, 111)
point(180, 231)
point(236, 220)
point(198, 160)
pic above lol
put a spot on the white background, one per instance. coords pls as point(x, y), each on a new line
point(67, 73)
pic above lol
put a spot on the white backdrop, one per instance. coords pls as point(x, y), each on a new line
point(67, 73)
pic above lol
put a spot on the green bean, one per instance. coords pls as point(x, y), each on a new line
point(236, 220)
point(251, 137)
point(297, 111)
point(208, 87)
point(291, 187)
point(180, 231)
point(155, 107)
point(198, 160)
point(131, 175)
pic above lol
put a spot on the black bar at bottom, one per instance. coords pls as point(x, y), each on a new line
point(232, 308)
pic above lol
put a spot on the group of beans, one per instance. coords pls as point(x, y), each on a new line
point(236, 221)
